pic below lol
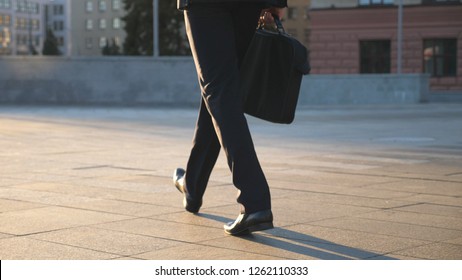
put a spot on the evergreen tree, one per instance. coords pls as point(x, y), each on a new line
point(50, 46)
point(172, 35)
point(139, 28)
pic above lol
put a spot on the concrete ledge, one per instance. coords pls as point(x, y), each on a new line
point(173, 81)
point(100, 81)
point(446, 97)
point(365, 89)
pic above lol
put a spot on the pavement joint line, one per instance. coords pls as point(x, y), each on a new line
point(406, 205)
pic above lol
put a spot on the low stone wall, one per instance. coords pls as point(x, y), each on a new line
point(365, 89)
point(173, 81)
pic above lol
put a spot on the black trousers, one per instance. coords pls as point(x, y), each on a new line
point(219, 35)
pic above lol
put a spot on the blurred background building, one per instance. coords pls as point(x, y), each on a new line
point(344, 36)
point(94, 25)
point(79, 27)
point(351, 36)
point(21, 27)
point(297, 20)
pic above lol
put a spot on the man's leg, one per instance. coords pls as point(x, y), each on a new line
point(212, 35)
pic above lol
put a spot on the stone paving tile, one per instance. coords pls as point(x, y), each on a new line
point(205, 218)
point(330, 172)
point(41, 197)
point(124, 208)
point(113, 242)
point(433, 209)
point(22, 248)
point(164, 229)
point(415, 219)
point(341, 190)
point(78, 189)
point(421, 187)
point(382, 159)
point(6, 182)
point(351, 200)
point(435, 251)
point(203, 252)
point(404, 230)
point(435, 167)
point(115, 205)
point(457, 241)
point(343, 179)
point(51, 218)
point(302, 211)
point(7, 205)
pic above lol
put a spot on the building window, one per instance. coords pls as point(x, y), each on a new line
point(102, 42)
point(35, 24)
point(5, 4)
point(440, 57)
point(58, 9)
point(58, 25)
point(375, 56)
point(5, 20)
point(89, 6)
point(89, 24)
point(116, 23)
point(292, 13)
point(116, 5)
point(375, 2)
point(102, 23)
point(102, 5)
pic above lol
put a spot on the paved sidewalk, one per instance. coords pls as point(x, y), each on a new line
point(381, 182)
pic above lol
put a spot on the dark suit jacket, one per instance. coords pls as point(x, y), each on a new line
point(270, 3)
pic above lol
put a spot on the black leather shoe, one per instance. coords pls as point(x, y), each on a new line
point(189, 204)
point(247, 223)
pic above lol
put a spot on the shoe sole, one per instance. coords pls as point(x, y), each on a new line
point(249, 230)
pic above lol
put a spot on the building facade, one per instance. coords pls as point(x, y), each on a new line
point(95, 24)
point(21, 27)
point(352, 36)
point(82, 28)
point(297, 20)
point(57, 20)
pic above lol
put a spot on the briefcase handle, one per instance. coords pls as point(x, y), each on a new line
point(278, 23)
point(277, 28)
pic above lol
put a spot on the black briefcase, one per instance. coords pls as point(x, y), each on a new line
point(271, 74)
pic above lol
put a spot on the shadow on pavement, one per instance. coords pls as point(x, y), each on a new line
point(303, 244)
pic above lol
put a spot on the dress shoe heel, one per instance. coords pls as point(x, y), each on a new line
point(260, 227)
point(247, 223)
point(189, 204)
